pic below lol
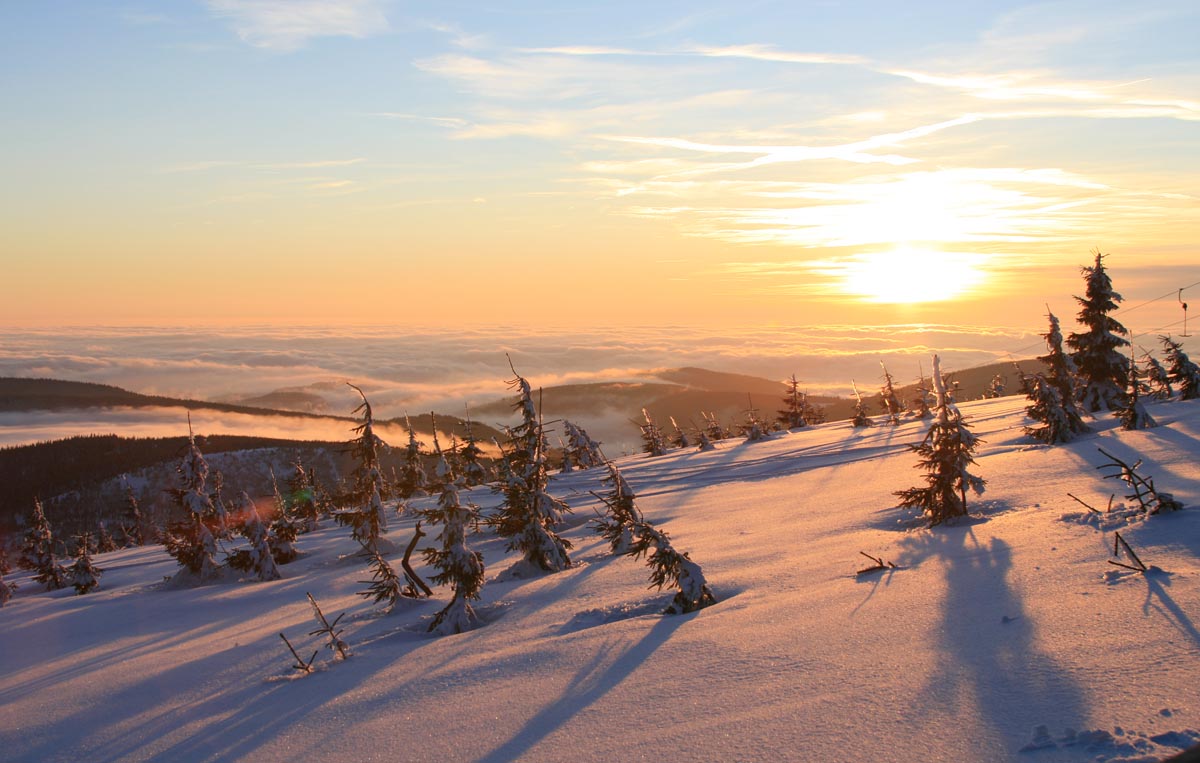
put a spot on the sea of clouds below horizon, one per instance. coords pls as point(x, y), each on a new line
point(405, 369)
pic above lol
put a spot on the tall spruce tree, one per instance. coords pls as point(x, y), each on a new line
point(945, 455)
point(365, 514)
point(1181, 371)
point(192, 541)
point(528, 515)
point(1102, 367)
point(1158, 381)
point(792, 414)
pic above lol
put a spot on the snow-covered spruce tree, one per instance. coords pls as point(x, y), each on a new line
point(258, 559)
point(82, 574)
point(585, 452)
point(792, 414)
point(441, 465)
point(1158, 381)
point(918, 406)
point(104, 540)
point(528, 514)
point(755, 429)
point(888, 399)
point(861, 416)
point(1102, 368)
point(302, 499)
point(219, 522)
point(413, 480)
point(996, 387)
point(712, 427)
point(473, 471)
point(363, 511)
point(679, 438)
point(702, 442)
point(37, 551)
point(1132, 413)
point(653, 441)
point(134, 525)
point(615, 525)
point(285, 526)
point(192, 541)
point(1057, 412)
point(1181, 371)
point(6, 588)
point(457, 565)
point(945, 454)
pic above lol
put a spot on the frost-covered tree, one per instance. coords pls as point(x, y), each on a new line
point(457, 565)
point(922, 399)
point(996, 387)
point(82, 574)
point(755, 429)
point(888, 398)
point(365, 514)
point(1132, 413)
point(413, 480)
point(653, 441)
point(528, 514)
point(285, 526)
point(6, 588)
point(472, 472)
point(303, 501)
point(712, 427)
point(792, 414)
point(1181, 371)
point(679, 438)
point(104, 540)
point(615, 525)
point(259, 558)
point(585, 452)
point(1056, 411)
point(134, 526)
point(861, 417)
point(1158, 381)
point(37, 551)
point(945, 453)
point(1102, 368)
point(704, 444)
point(192, 541)
point(218, 521)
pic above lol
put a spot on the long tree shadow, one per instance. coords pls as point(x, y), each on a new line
point(988, 643)
point(599, 675)
point(1167, 607)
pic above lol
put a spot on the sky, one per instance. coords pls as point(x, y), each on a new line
point(538, 163)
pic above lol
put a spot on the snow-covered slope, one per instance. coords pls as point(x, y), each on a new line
point(985, 631)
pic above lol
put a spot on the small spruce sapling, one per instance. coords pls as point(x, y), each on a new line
point(1132, 413)
point(193, 540)
point(365, 517)
point(793, 414)
point(679, 438)
point(258, 558)
point(1053, 394)
point(82, 574)
point(473, 471)
point(945, 453)
point(755, 429)
point(37, 551)
point(615, 525)
point(585, 452)
point(413, 480)
point(996, 387)
point(887, 395)
point(861, 417)
point(457, 565)
point(1158, 380)
point(1181, 371)
point(653, 441)
point(134, 526)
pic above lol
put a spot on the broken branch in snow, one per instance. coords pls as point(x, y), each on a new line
point(877, 567)
point(1118, 543)
point(1090, 508)
point(301, 665)
point(1149, 499)
point(414, 580)
point(327, 629)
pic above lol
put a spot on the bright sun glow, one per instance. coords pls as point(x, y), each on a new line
point(908, 275)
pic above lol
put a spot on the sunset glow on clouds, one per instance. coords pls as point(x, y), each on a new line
point(321, 162)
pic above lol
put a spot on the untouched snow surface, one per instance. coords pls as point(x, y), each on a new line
point(1004, 637)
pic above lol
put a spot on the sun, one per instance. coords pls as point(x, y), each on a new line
point(907, 275)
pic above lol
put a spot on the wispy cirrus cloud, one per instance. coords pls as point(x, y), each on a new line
point(286, 25)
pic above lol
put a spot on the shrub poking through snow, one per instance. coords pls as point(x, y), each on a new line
point(679, 438)
point(755, 429)
point(945, 454)
point(1149, 498)
point(365, 516)
point(653, 441)
point(457, 565)
point(329, 630)
point(887, 395)
point(37, 551)
point(861, 417)
point(1102, 368)
point(82, 574)
point(528, 515)
point(1181, 371)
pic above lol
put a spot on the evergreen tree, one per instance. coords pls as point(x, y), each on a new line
point(1132, 413)
point(754, 430)
point(712, 427)
point(413, 480)
point(918, 406)
point(1058, 412)
point(616, 524)
point(458, 566)
point(528, 515)
point(1181, 371)
point(945, 454)
point(37, 551)
point(366, 517)
point(285, 526)
point(193, 541)
point(996, 387)
point(134, 526)
point(441, 466)
point(218, 521)
point(887, 395)
point(813, 414)
point(1103, 370)
point(793, 413)
point(653, 441)
point(703, 443)
point(473, 472)
point(258, 559)
point(679, 438)
point(6, 588)
point(861, 416)
point(302, 500)
point(1157, 379)
point(82, 574)
point(104, 540)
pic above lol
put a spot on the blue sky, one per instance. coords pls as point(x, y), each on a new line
point(311, 161)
